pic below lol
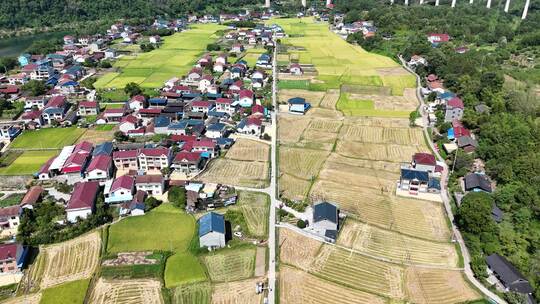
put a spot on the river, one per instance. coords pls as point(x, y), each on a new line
point(14, 46)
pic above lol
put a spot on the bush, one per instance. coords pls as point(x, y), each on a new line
point(213, 47)
point(177, 196)
point(301, 224)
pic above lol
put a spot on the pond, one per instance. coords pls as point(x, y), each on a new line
point(14, 46)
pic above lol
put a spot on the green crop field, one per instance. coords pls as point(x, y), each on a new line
point(174, 58)
point(194, 293)
point(352, 107)
point(49, 138)
point(255, 207)
point(68, 293)
point(183, 268)
point(28, 163)
point(230, 265)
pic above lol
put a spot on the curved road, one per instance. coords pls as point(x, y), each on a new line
point(445, 196)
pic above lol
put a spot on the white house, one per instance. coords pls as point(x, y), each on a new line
point(151, 184)
point(100, 168)
point(119, 190)
point(212, 230)
point(82, 201)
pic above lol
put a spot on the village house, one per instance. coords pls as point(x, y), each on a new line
point(467, 143)
point(296, 69)
point(152, 184)
point(83, 201)
point(35, 103)
point(55, 109)
point(128, 123)
point(454, 110)
point(424, 162)
point(154, 158)
point(216, 130)
point(161, 124)
point(9, 220)
point(201, 106)
point(119, 190)
point(136, 206)
point(76, 161)
point(88, 108)
point(417, 60)
point(207, 147)
point(137, 102)
point(9, 132)
point(326, 219)
point(508, 275)
point(250, 126)
point(237, 48)
point(100, 168)
point(416, 181)
point(188, 162)
point(194, 76)
point(105, 148)
point(33, 196)
point(477, 182)
point(125, 160)
point(12, 257)
point(212, 230)
point(245, 98)
point(111, 116)
point(225, 105)
point(435, 39)
point(298, 105)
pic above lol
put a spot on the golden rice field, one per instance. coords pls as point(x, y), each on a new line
point(330, 99)
point(290, 128)
point(378, 151)
point(297, 250)
point(296, 286)
point(249, 150)
point(134, 291)
point(255, 207)
point(385, 135)
point(313, 97)
point(292, 187)
point(396, 247)
point(230, 265)
point(68, 261)
point(301, 163)
point(238, 292)
point(237, 173)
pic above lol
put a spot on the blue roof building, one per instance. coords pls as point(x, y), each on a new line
point(212, 230)
point(298, 105)
point(105, 148)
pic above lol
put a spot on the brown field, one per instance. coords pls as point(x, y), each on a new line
point(372, 151)
point(314, 98)
point(296, 286)
point(358, 176)
point(394, 71)
point(239, 292)
point(377, 122)
point(330, 99)
point(297, 250)
point(292, 187)
point(396, 247)
point(324, 113)
point(26, 299)
point(230, 265)
point(359, 272)
point(325, 139)
point(97, 137)
point(409, 216)
point(250, 150)
point(301, 163)
point(238, 173)
point(378, 165)
point(69, 261)
point(407, 102)
point(437, 286)
point(382, 135)
point(331, 126)
point(146, 291)
point(291, 127)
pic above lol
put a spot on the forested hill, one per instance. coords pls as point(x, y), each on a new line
point(31, 13)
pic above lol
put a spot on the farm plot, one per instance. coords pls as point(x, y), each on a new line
point(126, 292)
point(301, 163)
point(71, 292)
point(28, 162)
point(26, 299)
point(376, 151)
point(239, 292)
point(388, 122)
point(359, 272)
point(292, 187)
point(396, 247)
point(230, 265)
point(255, 207)
point(314, 98)
point(238, 173)
point(48, 138)
point(297, 250)
point(391, 103)
point(249, 150)
point(96, 136)
point(330, 126)
point(296, 286)
point(372, 134)
point(291, 127)
point(195, 293)
point(408, 216)
point(69, 261)
point(330, 99)
point(349, 174)
point(437, 286)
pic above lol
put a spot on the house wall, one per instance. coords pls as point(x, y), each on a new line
point(425, 167)
point(8, 266)
point(120, 195)
point(151, 189)
point(297, 108)
point(98, 175)
point(212, 239)
point(82, 213)
point(213, 134)
point(325, 224)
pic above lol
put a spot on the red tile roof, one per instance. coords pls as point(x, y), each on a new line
point(47, 165)
point(123, 182)
point(154, 152)
point(246, 93)
point(32, 195)
point(56, 101)
point(148, 179)
point(125, 154)
point(8, 251)
point(84, 147)
point(113, 111)
point(74, 163)
point(455, 102)
point(424, 159)
point(88, 104)
point(10, 89)
point(130, 118)
point(31, 115)
point(253, 121)
point(9, 211)
point(204, 143)
point(224, 100)
point(201, 103)
point(150, 111)
point(257, 109)
point(187, 156)
point(101, 162)
point(83, 196)
point(461, 131)
point(183, 138)
point(139, 98)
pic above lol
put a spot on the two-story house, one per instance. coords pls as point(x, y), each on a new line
point(119, 190)
point(154, 158)
point(152, 184)
point(88, 108)
point(126, 160)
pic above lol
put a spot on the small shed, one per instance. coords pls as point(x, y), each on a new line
point(298, 105)
point(212, 230)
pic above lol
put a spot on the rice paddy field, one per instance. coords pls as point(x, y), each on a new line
point(347, 149)
point(255, 207)
point(230, 265)
point(28, 163)
point(175, 57)
point(47, 138)
point(126, 291)
point(237, 172)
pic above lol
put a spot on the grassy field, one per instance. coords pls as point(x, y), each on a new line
point(354, 107)
point(183, 268)
point(55, 138)
point(104, 127)
point(175, 57)
point(255, 207)
point(230, 265)
point(67, 293)
point(11, 200)
point(28, 163)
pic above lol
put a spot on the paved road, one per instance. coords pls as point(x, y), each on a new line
point(446, 199)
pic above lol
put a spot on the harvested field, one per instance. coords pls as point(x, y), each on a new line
point(131, 258)
point(385, 166)
point(394, 103)
point(359, 272)
point(297, 250)
point(292, 187)
point(230, 265)
point(359, 176)
point(324, 113)
point(238, 173)
point(251, 150)
point(437, 286)
point(314, 98)
point(301, 163)
point(126, 292)
point(409, 216)
point(69, 261)
point(239, 292)
point(331, 126)
point(384, 135)
point(199, 293)
point(26, 299)
point(97, 136)
point(330, 99)
point(300, 287)
point(377, 122)
point(291, 127)
point(396, 247)
point(255, 207)
point(260, 262)
point(374, 151)
point(393, 71)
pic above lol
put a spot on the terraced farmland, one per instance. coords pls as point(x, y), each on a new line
point(301, 163)
point(127, 292)
point(230, 265)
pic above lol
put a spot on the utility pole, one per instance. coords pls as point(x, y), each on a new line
point(436, 2)
point(488, 5)
point(453, 3)
point(328, 3)
point(526, 9)
point(304, 3)
point(421, 2)
point(267, 3)
point(406, 2)
point(506, 6)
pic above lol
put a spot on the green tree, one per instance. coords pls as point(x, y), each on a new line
point(177, 196)
point(35, 87)
point(133, 89)
point(474, 214)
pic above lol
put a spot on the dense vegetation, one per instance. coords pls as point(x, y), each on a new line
point(49, 13)
point(501, 70)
